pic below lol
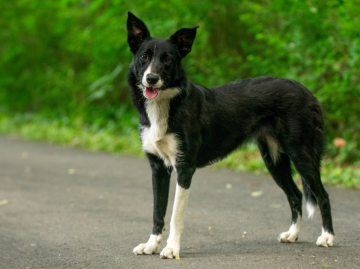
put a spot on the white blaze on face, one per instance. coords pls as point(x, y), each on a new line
point(147, 71)
point(150, 70)
point(158, 84)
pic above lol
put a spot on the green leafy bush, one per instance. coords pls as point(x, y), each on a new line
point(67, 60)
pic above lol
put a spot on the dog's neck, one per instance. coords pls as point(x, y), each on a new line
point(157, 110)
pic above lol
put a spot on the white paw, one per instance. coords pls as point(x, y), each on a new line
point(292, 235)
point(172, 249)
point(150, 247)
point(325, 240)
point(288, 237)
point(169, 253)
point(145, 249)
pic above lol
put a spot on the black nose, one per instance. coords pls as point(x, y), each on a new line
point(152, 79)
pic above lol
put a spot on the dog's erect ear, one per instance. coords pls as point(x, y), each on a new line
point(184, 39)
point(137, 32)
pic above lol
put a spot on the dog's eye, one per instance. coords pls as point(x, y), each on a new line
point(168, 60)
point(144, 57)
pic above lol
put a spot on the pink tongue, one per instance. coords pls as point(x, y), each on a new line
point(151, 92)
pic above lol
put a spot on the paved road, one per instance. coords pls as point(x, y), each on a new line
point(94, 215)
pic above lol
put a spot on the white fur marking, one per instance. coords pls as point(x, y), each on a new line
point(158, 84)
point(155, 139)
point(310, 209)
point(172, 249)
point(293, 233)
point(150, 247)
point(149, 70)
point(325, 240)
point(273, 148)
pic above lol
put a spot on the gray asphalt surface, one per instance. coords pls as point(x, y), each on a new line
point(94, 215)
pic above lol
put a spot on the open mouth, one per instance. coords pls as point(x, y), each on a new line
point(151, 92)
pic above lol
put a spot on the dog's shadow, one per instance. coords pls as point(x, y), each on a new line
point(263, 248)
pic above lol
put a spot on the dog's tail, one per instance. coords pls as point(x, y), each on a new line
point(311, 202)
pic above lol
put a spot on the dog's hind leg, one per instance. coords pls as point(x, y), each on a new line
point(279, 167)
point(161, 183)
point(310, 173)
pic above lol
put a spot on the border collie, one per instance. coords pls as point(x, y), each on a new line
point(184, 125)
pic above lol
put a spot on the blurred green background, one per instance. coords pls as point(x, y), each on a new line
point(63, 66)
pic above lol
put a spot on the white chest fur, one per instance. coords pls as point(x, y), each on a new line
point(155, 140)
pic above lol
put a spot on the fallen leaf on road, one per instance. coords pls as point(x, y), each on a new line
point(3, 202)
point(256, 193)
point(209, 228)
point(228, 186)
point(71, 171)
point(339, 142)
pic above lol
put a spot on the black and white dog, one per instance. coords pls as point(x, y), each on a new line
point(184, 125)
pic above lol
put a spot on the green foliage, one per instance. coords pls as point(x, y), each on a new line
point(75, 133)
point(67, 60)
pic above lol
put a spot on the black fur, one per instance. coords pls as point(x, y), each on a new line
point(161, 183)
point(210, 123)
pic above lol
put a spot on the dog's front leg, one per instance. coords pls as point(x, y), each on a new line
point(161, 182)
point(172, 249)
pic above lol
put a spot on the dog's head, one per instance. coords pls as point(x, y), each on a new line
point(157, 62)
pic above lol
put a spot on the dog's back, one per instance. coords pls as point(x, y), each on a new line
point(263, 108)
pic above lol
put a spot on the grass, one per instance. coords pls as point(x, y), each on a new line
point(71, 133)
point(121, 139)
point(332, 173)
